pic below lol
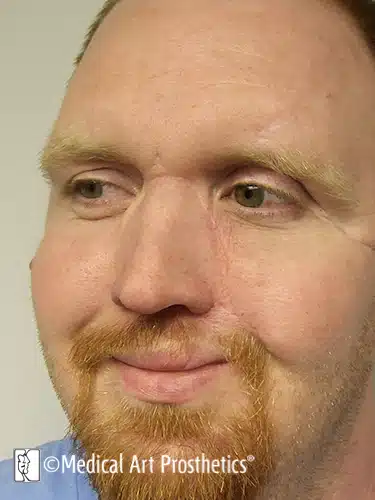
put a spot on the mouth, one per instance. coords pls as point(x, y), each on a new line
point(160, 378)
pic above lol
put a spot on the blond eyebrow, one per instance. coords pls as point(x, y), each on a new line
point(61, 151)
point(330, 178)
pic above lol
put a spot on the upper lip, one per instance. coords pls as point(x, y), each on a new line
point(164, 362)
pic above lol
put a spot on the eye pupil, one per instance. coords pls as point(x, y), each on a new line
point(249, 195)
point(91, 189)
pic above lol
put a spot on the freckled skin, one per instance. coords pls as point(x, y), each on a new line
point(211, 76)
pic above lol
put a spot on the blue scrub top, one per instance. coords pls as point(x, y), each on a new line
point(66, 485)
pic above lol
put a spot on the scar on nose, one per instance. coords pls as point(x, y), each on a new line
point(157, 157)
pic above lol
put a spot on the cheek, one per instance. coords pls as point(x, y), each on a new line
point(68, 284)
point(69, 279)
point(304, 300)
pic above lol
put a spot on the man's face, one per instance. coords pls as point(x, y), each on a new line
point(176, 258)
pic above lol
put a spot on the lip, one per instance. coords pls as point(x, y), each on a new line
point(162, 379)
point(164, 362)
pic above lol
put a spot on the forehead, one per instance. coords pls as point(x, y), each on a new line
point(209, 71)
point(250, 38)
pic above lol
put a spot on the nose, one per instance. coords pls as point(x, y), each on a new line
point(166, 256)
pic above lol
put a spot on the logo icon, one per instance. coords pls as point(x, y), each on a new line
point(26, 465)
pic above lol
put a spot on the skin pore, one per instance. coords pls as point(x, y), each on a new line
point(173, 110)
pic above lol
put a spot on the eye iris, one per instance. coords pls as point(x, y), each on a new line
point(91, 189)
point(249, 195)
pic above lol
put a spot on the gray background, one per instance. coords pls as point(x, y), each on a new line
point(38, 42)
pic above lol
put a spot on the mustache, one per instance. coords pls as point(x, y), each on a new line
point(155, 334)
point(95, 342)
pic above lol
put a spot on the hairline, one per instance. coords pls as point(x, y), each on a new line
point(362, 11)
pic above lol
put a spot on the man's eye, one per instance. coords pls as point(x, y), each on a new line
point(255, 200)
point(252, 200)
point(254, 196)
point(96, 198)
point(90, 188)
point(94, 192)
point(249, 195)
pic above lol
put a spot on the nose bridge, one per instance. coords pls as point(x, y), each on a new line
point(166, 252)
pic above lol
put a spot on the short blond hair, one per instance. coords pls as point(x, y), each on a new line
point(363, 12)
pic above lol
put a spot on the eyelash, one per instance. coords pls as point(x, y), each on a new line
point(71, 187)
point(71, 190)
point(285, 196)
